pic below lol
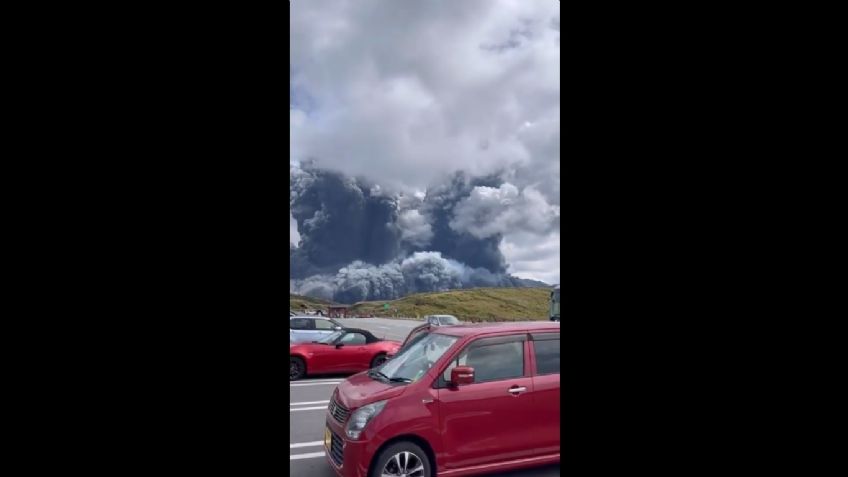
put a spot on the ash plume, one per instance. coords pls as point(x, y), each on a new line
point(358, 242)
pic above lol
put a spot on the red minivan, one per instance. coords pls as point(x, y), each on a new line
point(463, 400)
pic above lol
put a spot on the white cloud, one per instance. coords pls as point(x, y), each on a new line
point(533, 256)
point(405, 93)
point(414, 228)
point(294, 236)
point(489, 211)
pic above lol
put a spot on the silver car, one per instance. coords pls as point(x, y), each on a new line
point(441, 320)
point(305, 329)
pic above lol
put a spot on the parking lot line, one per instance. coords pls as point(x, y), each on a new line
point(308, 402)
point(311, 455)
point(306, 444)
point(312, 384)
point(307, 408)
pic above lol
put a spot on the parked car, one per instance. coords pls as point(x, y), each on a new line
point(441, 320)
point(431, 321)
point(349, 350)
point(461, 400)
point(303, 328)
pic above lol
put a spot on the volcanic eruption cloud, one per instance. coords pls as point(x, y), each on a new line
point(359, 243)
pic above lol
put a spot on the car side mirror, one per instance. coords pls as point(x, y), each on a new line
point(462, 375)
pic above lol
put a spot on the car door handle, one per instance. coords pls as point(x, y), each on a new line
point(515, 390)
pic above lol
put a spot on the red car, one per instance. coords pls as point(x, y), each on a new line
point(345, 351)
point(461, 400)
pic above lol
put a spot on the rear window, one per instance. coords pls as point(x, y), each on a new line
point(299, 323)
point(354, 339)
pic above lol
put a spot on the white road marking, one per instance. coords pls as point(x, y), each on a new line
point(308, 402)
point(308, 408)
point(311, 455)
point(306, 444)
point(312, 384)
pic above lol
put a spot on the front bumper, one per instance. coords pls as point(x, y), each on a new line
point(348, 458)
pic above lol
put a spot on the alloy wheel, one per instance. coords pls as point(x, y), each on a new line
point(403, 464)
point(294, 370)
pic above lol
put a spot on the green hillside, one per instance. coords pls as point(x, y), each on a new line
point(299, 302)
point(478, 304)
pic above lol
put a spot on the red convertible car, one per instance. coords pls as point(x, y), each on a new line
point(349, 350)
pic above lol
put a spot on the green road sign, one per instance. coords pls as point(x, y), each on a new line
point(385, 306)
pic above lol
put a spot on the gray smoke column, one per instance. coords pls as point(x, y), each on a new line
point(439, 205)
point(361, 243)
point(340, 220)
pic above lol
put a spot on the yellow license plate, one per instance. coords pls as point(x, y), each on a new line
point(328, 438)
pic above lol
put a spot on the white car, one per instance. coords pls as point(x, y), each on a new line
point(441, 320)
point(308, 328)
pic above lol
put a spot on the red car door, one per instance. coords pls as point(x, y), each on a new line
point(353, 355)
point(487, 421)
point(545, 351)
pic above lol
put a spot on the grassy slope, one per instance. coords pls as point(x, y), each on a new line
point(479, 304)
point(296, 303)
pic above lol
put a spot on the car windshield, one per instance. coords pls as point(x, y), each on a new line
point(415, 360)
point(331, 337)
point(413, 337)
point(448, 320)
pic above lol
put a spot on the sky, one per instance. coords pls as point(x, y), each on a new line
point(408, 93)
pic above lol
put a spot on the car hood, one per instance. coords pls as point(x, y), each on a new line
point(359, 390)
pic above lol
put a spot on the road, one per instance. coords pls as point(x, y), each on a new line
point(308, 399)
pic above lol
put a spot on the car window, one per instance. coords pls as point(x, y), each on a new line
point(324, 325)
point(492, 361)
point(547, 353)
point(448, 320)
point(354, 339)
point(299, 323)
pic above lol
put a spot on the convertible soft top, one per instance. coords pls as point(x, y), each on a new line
point(369, 338)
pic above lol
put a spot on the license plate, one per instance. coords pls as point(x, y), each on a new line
point(328, 438)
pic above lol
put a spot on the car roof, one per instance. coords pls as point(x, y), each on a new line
point(369, 337)
point(311, 317)
point(485, 328)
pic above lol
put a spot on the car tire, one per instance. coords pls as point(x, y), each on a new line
point(297, 368)
point(378, 360)
point(402, 458)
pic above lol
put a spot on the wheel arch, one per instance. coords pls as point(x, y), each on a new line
point(301, 357)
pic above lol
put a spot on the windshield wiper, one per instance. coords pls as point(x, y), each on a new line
point(400, 380)
point(377, 373)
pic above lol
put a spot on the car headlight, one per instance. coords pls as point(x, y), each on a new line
point(361, 417)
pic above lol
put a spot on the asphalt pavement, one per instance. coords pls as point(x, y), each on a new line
point(308, 399)
point(382, 327)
